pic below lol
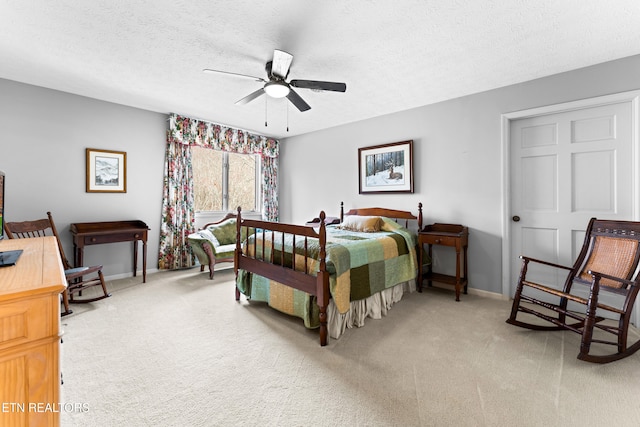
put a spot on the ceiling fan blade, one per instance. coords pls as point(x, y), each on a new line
point(297, 101)
point(258, 79)
point(250, 97)
point(316, 85)
point(281, 63)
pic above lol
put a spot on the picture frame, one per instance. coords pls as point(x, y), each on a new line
point(386, 168)
point(106, 171)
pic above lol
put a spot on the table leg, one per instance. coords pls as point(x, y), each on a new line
point(430, 269)
point(79, 257)
point(457, 273)
point(466, 277)
point(144, 261)
point(135, 257)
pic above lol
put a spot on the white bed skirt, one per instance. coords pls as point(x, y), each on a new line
point(375, 307)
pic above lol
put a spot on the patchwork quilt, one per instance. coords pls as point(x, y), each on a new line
point(360, 265)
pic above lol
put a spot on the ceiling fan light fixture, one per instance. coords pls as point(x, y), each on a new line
point(277, 89)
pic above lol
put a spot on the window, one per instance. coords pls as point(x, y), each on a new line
point(223, 181)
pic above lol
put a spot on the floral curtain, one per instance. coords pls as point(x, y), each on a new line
point(178, 215)
point(177, 208)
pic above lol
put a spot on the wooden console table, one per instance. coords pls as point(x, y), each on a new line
point(453, 235)
point(30, 333)
point(96, 233)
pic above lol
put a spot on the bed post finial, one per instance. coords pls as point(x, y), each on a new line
point(419, 216)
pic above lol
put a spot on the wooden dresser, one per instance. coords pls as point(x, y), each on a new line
point(30, 334)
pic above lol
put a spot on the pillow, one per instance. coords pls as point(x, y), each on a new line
point(225, 232)
point(207, 235)
point(389, 225)
point(367, 224)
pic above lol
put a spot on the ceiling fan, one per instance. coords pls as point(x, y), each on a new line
point(276, 85)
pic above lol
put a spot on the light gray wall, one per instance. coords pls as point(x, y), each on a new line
point(457, 159)
point(44, 134)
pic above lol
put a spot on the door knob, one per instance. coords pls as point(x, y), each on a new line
point(515, 218)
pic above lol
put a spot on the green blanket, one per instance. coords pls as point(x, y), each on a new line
point(360, 265)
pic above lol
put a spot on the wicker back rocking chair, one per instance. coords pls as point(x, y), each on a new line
point(607, 263)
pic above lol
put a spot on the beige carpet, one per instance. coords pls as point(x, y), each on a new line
point(180, 351)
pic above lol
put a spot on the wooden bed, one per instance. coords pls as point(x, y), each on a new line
point(304, 268)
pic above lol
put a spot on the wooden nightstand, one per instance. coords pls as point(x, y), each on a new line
point(453, 235)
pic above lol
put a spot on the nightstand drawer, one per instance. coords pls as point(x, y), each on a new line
point(435, 239)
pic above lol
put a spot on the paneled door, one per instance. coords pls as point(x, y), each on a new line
point(565, 168)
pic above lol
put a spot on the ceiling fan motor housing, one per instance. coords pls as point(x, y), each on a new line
point(269, 67)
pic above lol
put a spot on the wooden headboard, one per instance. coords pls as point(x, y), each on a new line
point(389, 213)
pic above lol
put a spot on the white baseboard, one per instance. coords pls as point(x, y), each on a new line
point(487, 294)
point(472, 291)
point(130, 274)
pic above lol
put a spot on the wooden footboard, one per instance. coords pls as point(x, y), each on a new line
point(315, 284)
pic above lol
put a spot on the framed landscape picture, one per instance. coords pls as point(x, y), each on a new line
point(106, 171)
point(386, 168)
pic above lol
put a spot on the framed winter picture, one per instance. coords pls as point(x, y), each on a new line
point(386, 168)
point(106, 171)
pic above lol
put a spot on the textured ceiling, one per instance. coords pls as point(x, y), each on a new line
point(393, 55)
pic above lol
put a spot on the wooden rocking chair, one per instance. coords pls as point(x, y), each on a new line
point(607, 263)
point(76, 282)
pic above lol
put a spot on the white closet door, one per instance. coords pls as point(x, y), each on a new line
point(566, 168)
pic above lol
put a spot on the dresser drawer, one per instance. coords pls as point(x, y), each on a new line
point(27, 320)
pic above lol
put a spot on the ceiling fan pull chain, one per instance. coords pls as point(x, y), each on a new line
point(265, 111)
point(287, 117)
